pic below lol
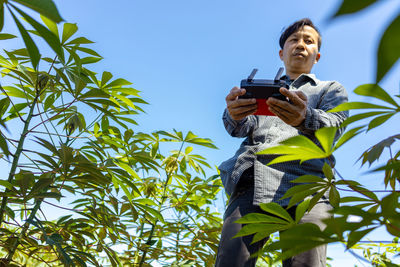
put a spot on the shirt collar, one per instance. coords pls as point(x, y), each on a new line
point(301, 80)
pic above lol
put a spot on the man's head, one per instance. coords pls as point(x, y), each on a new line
point(300, 44)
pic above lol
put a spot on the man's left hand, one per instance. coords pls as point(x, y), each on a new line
point(293, 113)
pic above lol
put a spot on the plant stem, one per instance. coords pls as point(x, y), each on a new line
point(153, 225)
point(16, 156)
point(24, 229)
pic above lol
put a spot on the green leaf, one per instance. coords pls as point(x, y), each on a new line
point(361, 116)
point(44, 7)
point(4, 145)
point(374, 152)
point(30, 45)
point(118, 83)
point(153, 212)
point(50, 24)
point(125, 100)
point(69, 29)
point(127, 168)
point(260, 218)
point(300, 238)
point(301, 209)
point(379, 120)
point(299, 196)
point(79, 40)
point(88, 51)
point(347, 136)
point(326, 137)
point(253, 228)
point(295, 148)
point(388, 51)
point(5, 36)
point(327, 171)
point(357, 105)
point(389, 204)
point(389, 166)
point(355, 236)
point(334, 196)
point(105, 77)
point(314, 200)
point(1, 16)
point(351, 6)
point(6, 184)
point(277, 210)
point(40, 184)
point(48, 195)
point(374, 90)
point(50, 38)
point(90, 60)
point(49, 101)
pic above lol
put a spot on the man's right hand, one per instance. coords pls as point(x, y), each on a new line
point(239, 108)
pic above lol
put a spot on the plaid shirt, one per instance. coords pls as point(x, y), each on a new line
point(261, 132)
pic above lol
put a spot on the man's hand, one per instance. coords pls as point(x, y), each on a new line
point(293, 113)
point(240, 108)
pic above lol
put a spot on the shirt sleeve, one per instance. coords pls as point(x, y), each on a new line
point(317, 118)
point(241, 128)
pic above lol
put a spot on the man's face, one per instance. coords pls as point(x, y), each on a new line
point(300, 51)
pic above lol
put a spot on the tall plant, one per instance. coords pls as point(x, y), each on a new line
point(374, 210)
point(68, 142)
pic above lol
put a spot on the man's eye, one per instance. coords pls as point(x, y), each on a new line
point(309, 41)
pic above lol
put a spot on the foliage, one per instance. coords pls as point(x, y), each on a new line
point(379, 254)
point(68, 139)
point(373, 210)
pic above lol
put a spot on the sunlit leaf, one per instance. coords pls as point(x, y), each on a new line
point(90, 60)
point(30, 45)
point(328, 171)
point(127, 168)
point(355, 236)
point(50, 38)
point(260, 218)
point(374, 90)
point(379, 120)
point(361, 116)
point(357, 105)
point(253, 228)
point(301, 209)
point(50, 24)
point(326, 137)
point(79, 40)
point(334, 196)
point(5, 36)
point(69, 29)
point(44, 7)
point(87, 50)
point(118, 83)
point(347, 136)
point(6, 184)
point(277, 210)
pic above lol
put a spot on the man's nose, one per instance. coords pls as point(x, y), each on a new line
point(300, 43)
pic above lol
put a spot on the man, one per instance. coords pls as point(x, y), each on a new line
point(246, 177)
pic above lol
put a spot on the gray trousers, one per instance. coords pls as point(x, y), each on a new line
point(235, 252)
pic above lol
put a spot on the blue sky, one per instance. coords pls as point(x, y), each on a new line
point(185, 56)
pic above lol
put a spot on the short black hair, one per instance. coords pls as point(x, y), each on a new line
point(295, 27)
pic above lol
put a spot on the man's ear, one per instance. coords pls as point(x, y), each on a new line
point(317, 58)
point(281, 54)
